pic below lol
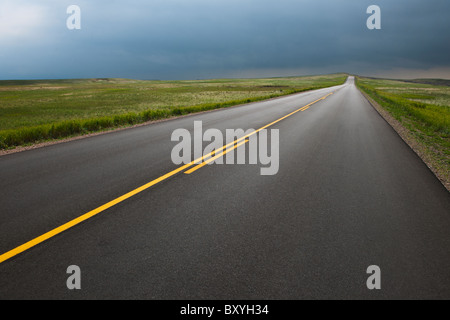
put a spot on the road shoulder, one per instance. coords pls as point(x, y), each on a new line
point(409, 139)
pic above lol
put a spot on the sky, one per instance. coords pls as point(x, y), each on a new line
point(206, 39)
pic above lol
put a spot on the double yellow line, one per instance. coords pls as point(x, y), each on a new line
point(200, 162)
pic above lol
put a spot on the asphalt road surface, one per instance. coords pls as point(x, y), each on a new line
point(349, 194)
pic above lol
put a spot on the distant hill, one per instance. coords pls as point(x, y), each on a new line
point(435, 82)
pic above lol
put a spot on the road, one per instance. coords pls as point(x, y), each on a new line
point(349, 194)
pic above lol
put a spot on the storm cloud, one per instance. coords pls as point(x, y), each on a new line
point(175, 39)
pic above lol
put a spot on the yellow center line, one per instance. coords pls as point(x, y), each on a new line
point(206, 159)
point(201, 165)
point(250, 134)
point(87, 216)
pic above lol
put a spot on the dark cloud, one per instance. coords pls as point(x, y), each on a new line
point(179, 39)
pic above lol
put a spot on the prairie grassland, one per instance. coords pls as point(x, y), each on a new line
point(35, 111)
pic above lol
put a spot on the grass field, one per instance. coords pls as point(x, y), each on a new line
point(35, 111)
point(423, 108)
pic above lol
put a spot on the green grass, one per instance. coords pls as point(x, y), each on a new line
point(421, 106)
point(35, 111)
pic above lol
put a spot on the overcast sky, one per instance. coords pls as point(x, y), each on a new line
point(197, 39)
